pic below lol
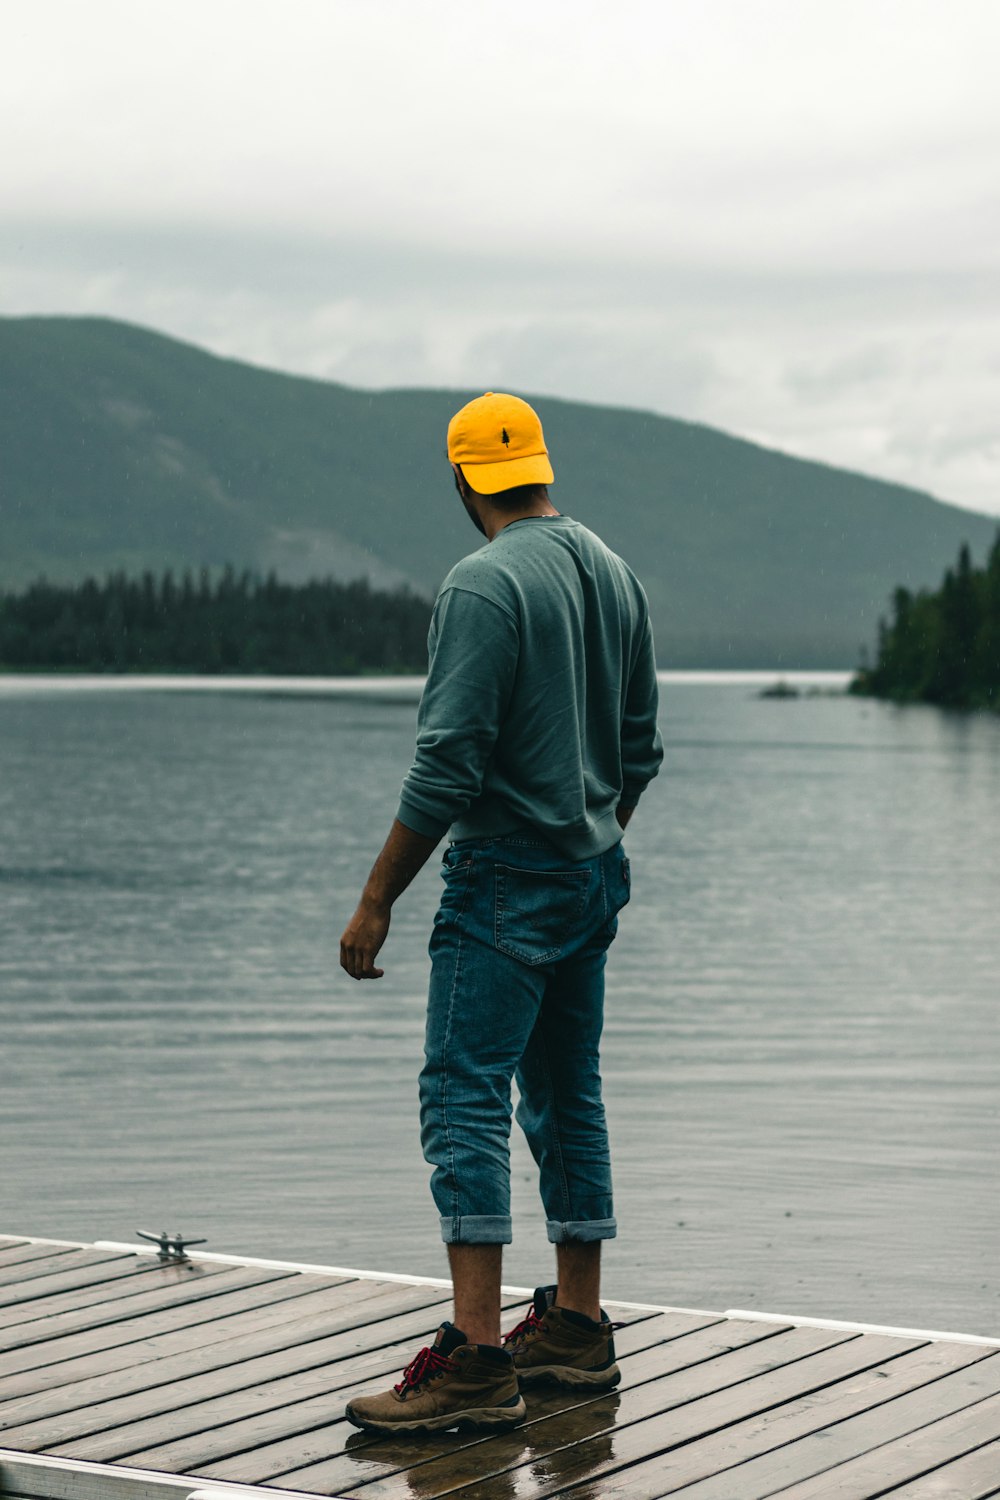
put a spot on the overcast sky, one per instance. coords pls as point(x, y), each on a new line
point(778, 217)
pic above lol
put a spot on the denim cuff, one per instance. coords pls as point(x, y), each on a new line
point(582, 1230)
point(477, 1229)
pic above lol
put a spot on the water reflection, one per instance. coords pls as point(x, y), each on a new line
point(438, 1462)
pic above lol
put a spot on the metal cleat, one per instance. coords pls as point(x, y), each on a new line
point(173, 1247)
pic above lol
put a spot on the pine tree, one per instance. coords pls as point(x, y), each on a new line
point(986, 653)
point(945, 647)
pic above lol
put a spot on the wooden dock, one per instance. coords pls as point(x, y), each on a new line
point(126, 1378)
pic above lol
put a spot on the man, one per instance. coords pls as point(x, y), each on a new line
point(536, 735)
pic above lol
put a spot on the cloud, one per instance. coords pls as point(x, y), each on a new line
point(862, 367)
point(889, 375)
point(778, 219)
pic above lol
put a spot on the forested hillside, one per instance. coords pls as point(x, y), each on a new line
point(123, 450)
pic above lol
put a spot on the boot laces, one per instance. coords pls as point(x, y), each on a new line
point(523, 1330)
point(423, 1368)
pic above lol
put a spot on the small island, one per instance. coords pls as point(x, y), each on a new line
point(942, 647)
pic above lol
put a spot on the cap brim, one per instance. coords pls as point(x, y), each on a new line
point(490, 479)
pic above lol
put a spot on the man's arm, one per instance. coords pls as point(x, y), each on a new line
point(473, 656)
point(474, 647)
point(403, 854)
point(641, 742)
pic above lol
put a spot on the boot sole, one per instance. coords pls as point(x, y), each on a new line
point(496, 1418)
point(591, 1380)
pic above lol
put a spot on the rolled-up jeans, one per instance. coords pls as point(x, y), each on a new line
point(518, 951)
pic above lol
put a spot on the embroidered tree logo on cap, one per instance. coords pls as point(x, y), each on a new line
point(505, 438)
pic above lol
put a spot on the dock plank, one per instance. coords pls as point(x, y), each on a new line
point(573, 1420)
point(46, 1358)
point(974, 1477)
point(802, 1461)
point(327, 1442)
point(242, 1335)
point(174, 1290)
point(663, 1418)
point(374, 1346)
point(230, 1366)
point(22, 1254)
point(111, 1373)
point(241, 1311)
point(75, 1285)
point(108, 1283)
point(23, 1272)
point(642, 1354)
point(288, 1416)
point(721, 1458)
point(907, 1457)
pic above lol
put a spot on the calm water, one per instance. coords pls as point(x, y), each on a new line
point(802, 1062)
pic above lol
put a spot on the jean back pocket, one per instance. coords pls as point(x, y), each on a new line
point(537, 912)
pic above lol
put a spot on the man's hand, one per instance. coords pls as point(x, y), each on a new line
point(403, 854)
point(363, 937)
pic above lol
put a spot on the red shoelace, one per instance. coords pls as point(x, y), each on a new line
point(420, 1369)
point(528, 1326)
point(524, 1328)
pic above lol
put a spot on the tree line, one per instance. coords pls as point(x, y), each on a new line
point(234, 623)
point(942, 647)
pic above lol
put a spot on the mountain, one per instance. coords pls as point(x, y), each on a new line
point(122, 448)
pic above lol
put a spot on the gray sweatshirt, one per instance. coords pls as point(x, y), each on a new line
point(539, 709)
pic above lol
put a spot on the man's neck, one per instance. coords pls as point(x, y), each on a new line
point(495, 521)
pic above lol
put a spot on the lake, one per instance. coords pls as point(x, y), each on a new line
point(801, 1057)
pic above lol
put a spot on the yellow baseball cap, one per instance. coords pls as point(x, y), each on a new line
point(498, 443)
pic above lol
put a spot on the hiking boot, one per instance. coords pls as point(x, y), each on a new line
point(451, 1384)
point(554, 1346)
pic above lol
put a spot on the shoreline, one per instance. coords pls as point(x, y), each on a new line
point(405, 687)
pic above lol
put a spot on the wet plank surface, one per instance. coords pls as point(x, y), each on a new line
point(241, 1374)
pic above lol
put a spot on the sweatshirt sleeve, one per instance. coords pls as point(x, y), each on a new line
point(473, 651)
point(642, 745)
